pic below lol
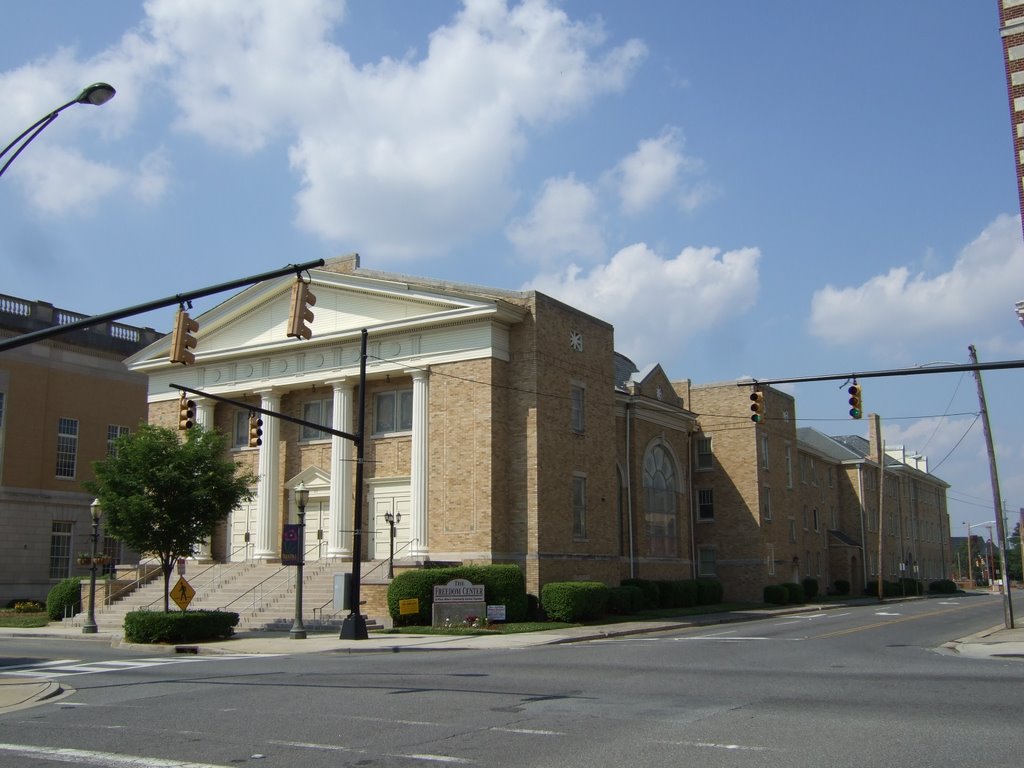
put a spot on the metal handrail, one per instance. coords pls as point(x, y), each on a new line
point(321, 608)
point(212, 566)
point(258, 588)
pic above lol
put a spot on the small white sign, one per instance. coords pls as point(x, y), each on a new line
point(495, 613)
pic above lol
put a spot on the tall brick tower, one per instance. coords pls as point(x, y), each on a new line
point(1011, 30)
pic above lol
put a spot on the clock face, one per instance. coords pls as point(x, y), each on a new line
point(576, 341)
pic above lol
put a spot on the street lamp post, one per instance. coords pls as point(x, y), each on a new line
point(298, 632)
point(392, 519)
point(90, 628)
point(95, 94)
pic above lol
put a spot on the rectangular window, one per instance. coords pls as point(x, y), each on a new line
point(803, 468)
point(576, 408)
point(113, 432)
point(814, 515)
point(392, 411)
point(579, 507)
point(789, 466)
point(770, 560)
point(705, 504)
point(764, 451)
point(318, 412)
point(805, 517)
point(67, 447)
point(240, 437)
point(792, 531)
point(60, 549)
point(831, 477)
point(706, 561)
point(704, 455)
point(766, 503)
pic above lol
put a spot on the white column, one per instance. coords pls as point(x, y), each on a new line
point(418, 475)
point(204, 418)
point(269, 483)
point(340, 519)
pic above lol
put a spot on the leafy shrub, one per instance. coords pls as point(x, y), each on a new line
point(794, 593)
point(27, 606)
point(650, 591)
point(842, 587)
point(810, 586)
point(776, 594)
point(503, 585)
point(889, 588)
point(64, 599)
point(942, 587)
point(574, 600)
point(625, 600)
point(911, 586)
point(184, 627)
point(709, 591)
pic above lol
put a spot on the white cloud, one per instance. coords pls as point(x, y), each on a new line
point(562, 222)
point(60, 180)
point(403, 157)
point(653, 301)
point(976, 294)
point(654, 171)
point(152, 177)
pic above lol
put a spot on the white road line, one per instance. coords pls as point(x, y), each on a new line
point(103, 759)
point(886, 613)
point(70, 667)
point(715, 745)
point(339, 748)
point(529, 731)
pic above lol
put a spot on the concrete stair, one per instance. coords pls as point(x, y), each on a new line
point(262, 594)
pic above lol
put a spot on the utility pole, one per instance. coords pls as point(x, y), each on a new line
point(876, 427)
point(996, 498)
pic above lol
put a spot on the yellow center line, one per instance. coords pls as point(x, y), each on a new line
point(877, 624)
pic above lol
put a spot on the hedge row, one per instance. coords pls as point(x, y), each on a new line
point(677, 594)
point(183, 627)
point(503, 585)
point(574, 600)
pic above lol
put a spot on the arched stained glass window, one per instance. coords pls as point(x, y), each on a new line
point(660, 502)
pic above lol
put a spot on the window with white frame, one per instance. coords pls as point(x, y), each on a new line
point(805, 517)
point(792, 531)
point(240, 433)
point(770, 559)
point(114, 431)
point(60, 548)
point(789, 466)
point(705, 504)
point(706, 561)
point(392, 411)
point(318, 412)
point(705, 459)
point(579, 507)
point(67, 447)
point(764, 451)
point(814, 518)
point(576, 412)
point(766, 503)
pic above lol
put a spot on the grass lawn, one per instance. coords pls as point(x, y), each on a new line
point(23, 620)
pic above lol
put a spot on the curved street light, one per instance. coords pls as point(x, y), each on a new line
point(95, 94)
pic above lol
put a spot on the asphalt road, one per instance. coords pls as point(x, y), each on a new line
point(864, 686)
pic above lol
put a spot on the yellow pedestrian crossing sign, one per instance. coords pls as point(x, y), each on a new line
point(182, 593)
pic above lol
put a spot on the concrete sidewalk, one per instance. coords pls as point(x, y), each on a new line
point(17, 693)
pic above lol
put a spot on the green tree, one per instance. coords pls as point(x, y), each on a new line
point(163, 496)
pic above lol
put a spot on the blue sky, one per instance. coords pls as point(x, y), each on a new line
point(743, 189)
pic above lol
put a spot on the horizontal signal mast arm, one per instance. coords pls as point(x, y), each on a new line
point(170, 301)
point(264, 411)
point(918, 371)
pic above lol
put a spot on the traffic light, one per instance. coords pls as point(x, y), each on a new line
point(182, 342)
point(300, 314)
point(757, 406)
point(856, 409)
point(255, 431)
point(186, 412)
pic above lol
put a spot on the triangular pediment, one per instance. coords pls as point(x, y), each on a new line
point(256, 319)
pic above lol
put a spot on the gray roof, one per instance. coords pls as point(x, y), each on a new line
point(828, 446)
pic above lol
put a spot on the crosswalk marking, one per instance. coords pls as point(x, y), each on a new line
point(70, 667)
